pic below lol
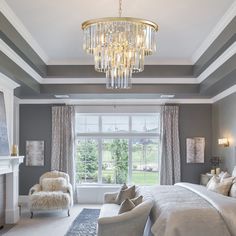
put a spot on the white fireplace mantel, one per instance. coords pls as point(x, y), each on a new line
point(10, 166)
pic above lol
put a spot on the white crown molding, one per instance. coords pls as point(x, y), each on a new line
point(220, 26)
point(231, 51)
point(7, 82)
point(19, 61)
point(212, 100)
point(18, 25)
point(134, 81)
point(28, 69)
point(115, 101)
point(224, 94)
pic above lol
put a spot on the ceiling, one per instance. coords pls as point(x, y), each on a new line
point(56, 25)
point(41, 49)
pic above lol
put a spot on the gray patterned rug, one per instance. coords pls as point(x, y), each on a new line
point(85, 223)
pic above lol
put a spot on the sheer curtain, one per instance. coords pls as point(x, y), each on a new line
point(63, 140)
point(170, 148)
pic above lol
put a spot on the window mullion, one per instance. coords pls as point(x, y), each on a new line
point(100, 160)
point(100, 151)
point(130, 161)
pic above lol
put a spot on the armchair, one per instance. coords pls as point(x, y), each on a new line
point(54, 192)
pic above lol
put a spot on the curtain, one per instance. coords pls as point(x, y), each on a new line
point(63, 140)
point(170, 148)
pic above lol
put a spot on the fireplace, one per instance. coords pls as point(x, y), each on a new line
point(9, 166)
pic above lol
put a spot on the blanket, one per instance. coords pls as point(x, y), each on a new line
point(191, 210)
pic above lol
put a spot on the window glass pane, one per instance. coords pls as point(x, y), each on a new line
point(145, 161)
point(87, 161)
point(149, 124)
point(115, 161)
point(115, 123)
point(85, 124)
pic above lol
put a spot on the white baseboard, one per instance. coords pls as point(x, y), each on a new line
point(23, 199)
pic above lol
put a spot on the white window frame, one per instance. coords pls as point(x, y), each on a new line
point(100, 136)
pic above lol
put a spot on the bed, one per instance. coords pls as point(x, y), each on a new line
point(189, 210)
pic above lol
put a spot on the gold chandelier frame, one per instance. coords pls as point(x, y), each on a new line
point(116, 19)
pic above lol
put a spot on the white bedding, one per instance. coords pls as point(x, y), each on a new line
point(191, 210)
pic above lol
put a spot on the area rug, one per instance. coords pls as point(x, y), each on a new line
point(85, 224)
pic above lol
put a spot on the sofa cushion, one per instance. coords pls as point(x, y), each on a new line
point(49, 200)
point(137, 200)
point(54, 184)
point(109, 210)
point(126, 205)
point(125, 194)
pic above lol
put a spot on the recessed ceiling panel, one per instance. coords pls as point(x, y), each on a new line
point(56, 25)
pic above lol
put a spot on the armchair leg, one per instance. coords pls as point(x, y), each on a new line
point(68, 212)
point(31, 215)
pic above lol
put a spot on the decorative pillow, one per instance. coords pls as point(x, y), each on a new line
point(136, 201)
point(225, 175)
point(124, 186)
point(232, 192)
point(234, 172)
point(53, 184)
point(212, 180)
point(124, 194)
point(220, 187)
point(126, 205)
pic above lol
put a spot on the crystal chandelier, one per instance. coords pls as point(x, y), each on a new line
point(119, 45)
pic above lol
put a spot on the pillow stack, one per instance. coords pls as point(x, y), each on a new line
point(126, 198)
point(223, 184)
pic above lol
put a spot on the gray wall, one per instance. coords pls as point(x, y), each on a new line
point(194, 121)
point(224, 126)
point(35, 124)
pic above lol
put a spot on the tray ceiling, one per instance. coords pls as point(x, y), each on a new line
point(56, 25)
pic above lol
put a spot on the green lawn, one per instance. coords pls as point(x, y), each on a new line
point(145, 177)
point(138, 177)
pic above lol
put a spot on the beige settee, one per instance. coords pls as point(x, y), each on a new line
point(131, 223)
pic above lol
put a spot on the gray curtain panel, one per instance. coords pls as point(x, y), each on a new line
point(63, 140)
point(170, 148)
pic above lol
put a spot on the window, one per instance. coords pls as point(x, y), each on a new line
point(117, 148)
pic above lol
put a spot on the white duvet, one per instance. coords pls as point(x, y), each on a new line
point(191, 210)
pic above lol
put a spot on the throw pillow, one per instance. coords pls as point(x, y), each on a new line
point(220, 187)
point(212, 180)
point(234, 172)
point(225, 175)
point(126, 205)
point(124, 186)
point(53, 184)
point(232, 192)
point(138, 200)
point(124, 194)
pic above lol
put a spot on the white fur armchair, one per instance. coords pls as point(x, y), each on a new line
point(54, 192)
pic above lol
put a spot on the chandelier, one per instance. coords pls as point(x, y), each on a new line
point(119, 45)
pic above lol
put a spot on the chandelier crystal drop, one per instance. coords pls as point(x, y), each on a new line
point(119, 45)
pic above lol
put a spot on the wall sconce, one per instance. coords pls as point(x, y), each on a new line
point(223, 141)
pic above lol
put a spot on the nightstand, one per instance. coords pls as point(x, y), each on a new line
point(205, 179)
